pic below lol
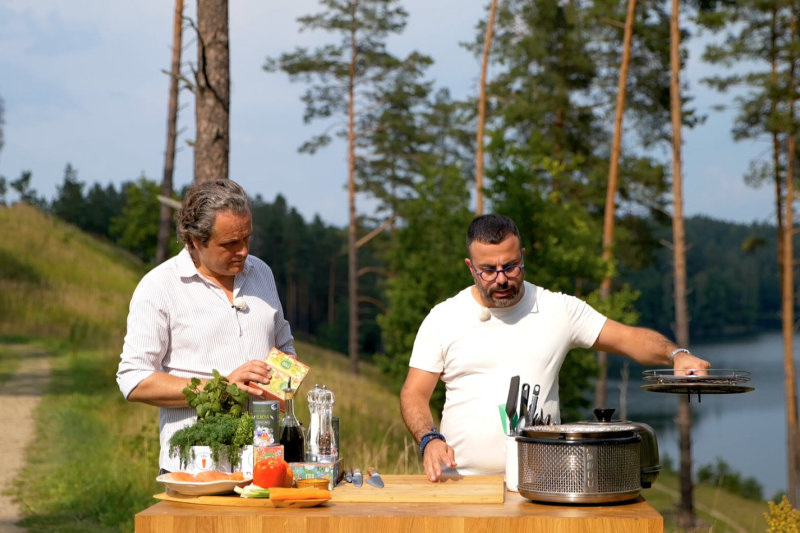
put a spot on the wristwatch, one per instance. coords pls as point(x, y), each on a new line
point(676, 352)
point(433, 434)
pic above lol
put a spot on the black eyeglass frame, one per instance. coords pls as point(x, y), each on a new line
point(495, 272)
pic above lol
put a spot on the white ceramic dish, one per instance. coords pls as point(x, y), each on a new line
point(197, 488)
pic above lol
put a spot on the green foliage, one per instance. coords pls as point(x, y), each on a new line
point(721, 475)
point(782, 517)
point(367, 23)
point(307, 259)
point(758, 34)
point(222, 424)
point(426, 252)
point(217, 397)
point(225, 434)
point(136, 227)
point(27, 194)
point(732, 282)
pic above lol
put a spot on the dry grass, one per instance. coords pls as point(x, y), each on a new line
point(371, 429)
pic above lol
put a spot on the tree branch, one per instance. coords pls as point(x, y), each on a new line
point(374, 233)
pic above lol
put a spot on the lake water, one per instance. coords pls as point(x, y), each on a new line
point(747, 431)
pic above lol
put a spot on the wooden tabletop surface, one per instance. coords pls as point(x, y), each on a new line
point(514, 514)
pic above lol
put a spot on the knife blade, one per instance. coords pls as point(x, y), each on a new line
point(523, 405)
point(374, 478)
point(511, 403)
point(534, 404)
point(357, 477)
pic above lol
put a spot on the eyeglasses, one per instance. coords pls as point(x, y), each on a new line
point(490, 274)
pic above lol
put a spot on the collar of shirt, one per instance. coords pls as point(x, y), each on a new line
point(186, 268)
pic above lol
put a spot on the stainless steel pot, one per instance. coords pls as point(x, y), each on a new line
point(650, 461)
point(586, 462)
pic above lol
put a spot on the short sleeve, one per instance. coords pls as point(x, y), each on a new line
point(427, 353)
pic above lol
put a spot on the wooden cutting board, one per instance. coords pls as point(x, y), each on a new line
point(417, 489)
point(397, 489)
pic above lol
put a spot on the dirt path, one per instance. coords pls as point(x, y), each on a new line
point(19, 397)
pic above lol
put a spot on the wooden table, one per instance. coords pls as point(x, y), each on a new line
point(516, 514)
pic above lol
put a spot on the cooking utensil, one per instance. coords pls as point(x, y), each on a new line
point(374, 478)
point(503, 418)
point(649, 458)
point(523, 404)
point(358, 479)
point(511, 403)
point(711, 381)
point(534, 402)
point(579, 463)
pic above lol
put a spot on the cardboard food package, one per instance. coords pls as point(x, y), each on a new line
point(283, 367)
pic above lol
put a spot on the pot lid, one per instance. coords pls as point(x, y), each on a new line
point(581, 430)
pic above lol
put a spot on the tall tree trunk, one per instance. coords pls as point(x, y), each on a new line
point(212, 98)
point(487, 46)
point(165, 212)
point(611, 192)
point(352, 248)
point(787, 300)
point(686, 513)
point(776, 145)
point(332, 290)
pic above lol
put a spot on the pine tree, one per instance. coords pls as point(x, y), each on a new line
point(349, 80)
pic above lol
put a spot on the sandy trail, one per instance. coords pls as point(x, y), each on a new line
point(19, 397)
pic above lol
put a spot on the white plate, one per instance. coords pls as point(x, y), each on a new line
point(198, 488)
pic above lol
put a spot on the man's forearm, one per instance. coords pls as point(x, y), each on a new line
point(161, 389)
point(416, 415)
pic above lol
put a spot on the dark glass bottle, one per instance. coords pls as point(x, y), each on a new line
point(292, 435)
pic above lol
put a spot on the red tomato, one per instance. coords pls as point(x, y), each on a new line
point(270, 472)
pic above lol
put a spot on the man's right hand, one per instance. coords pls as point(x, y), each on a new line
point(438, 452)
point(246, 376)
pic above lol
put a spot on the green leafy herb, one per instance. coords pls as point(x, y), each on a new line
point(222, 423)
point(217, 397)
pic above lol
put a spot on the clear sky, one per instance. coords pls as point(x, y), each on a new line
point(82, 83)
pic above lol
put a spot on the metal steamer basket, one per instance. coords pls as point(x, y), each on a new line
point(585, 462)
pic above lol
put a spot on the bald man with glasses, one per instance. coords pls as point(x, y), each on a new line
point(504, 326)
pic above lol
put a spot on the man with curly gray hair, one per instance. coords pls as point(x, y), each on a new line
point(211, 307)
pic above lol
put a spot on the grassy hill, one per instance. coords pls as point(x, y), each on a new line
point(68, 292)
point(56, 281)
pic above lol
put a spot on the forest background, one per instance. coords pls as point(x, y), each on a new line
point(551, 100)
point(552, 94)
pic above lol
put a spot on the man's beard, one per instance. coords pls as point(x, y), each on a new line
point(506, 301)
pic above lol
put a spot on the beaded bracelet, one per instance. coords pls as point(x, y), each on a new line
point(427, 438)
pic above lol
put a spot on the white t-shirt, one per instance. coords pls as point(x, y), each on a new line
point(477, 358)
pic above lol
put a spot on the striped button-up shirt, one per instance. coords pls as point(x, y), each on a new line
point(182, 324)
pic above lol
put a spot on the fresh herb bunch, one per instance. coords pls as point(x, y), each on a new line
point(217, 397)
point(224, 434)
point(222, 423)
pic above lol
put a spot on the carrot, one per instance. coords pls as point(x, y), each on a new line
point(306, 493)
point(236, 476)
